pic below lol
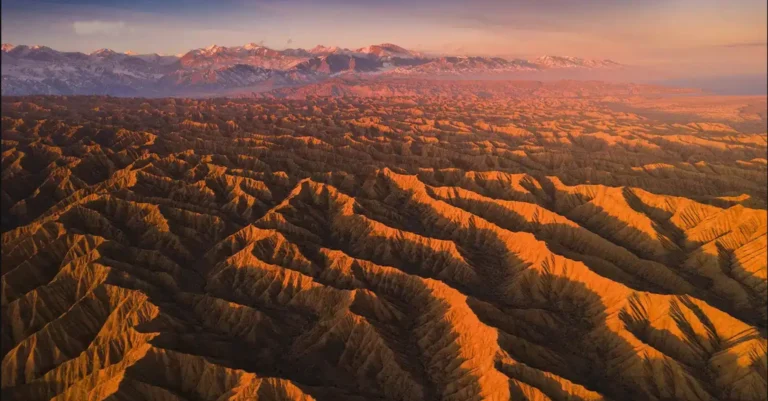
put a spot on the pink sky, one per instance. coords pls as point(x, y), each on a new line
point(702, 35)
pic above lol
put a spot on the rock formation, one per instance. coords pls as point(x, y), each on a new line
point(529, 245)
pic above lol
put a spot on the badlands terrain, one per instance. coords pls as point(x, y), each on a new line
point(386, 239)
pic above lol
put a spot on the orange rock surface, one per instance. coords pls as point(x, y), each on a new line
point(473, 241)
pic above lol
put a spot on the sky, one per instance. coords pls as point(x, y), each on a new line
point(704, 36)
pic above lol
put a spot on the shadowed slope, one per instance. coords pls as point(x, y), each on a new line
point(372, 249)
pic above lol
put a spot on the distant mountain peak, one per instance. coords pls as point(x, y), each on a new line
point(212, 49)
point(251, 46)
point(321, 50)
point(549, 61)
point(30, 69)
point(388, 50)
point(103, 53)
point(391, 46)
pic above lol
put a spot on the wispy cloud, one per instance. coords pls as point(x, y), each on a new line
point(746, 44)
point(96, 27)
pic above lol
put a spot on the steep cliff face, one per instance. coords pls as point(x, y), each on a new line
point(373, 249)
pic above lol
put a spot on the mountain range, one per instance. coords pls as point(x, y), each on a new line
point(217, 70)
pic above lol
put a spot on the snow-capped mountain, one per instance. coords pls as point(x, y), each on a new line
point(466, 65)
point(42, 70)
point(572, 62)
point(321, 50)
point(388, 50)
point(334, 63)
point(250, 54)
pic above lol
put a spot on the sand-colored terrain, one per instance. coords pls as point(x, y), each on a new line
point(468, 241)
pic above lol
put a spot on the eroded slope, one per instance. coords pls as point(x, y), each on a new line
point(409, 248)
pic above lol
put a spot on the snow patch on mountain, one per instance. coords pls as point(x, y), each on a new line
point(40, 69)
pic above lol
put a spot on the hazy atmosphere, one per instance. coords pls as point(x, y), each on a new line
point(701, 36)
point(434, 200)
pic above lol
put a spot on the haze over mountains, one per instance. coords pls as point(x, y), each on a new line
point(467, 201)
point(217, 70)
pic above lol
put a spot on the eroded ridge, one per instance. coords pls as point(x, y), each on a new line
point(402, 248)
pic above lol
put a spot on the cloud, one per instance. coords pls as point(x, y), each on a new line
point(746, 44)
point(96, 27)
